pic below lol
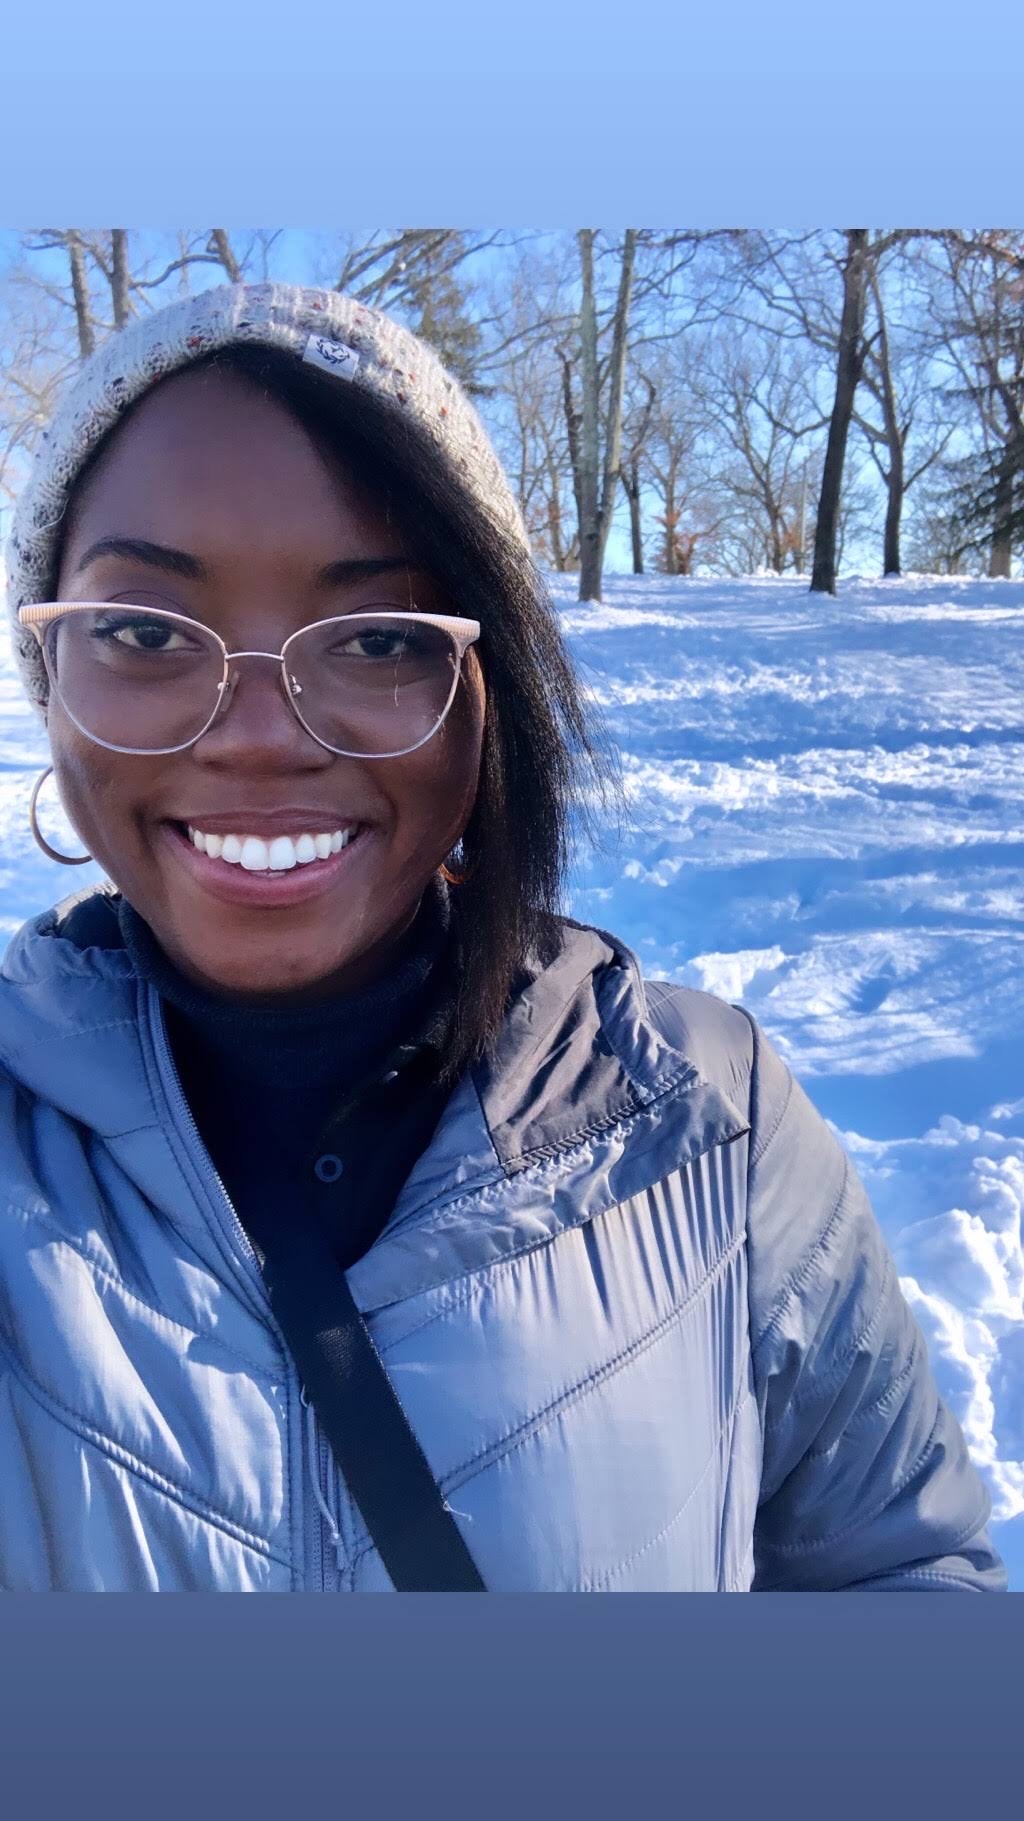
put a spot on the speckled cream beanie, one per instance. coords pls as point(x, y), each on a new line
point(357, 345)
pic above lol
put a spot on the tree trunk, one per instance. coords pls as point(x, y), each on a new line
point(596, 481)
point(572, 433)
point(589, 459)
point(616, 383)
point(895, 479)
point(800, 553)
point(119, 276)
point(80, 292)
point(1001, 548)
point(667, 478)
point(221, 245)
point(183, 282)
point(893, 509)
point(558, 551)
point(631, 488)
point(850, 360)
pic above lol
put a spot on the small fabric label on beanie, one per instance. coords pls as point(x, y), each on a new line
point(332, 356)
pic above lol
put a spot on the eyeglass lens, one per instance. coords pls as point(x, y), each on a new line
point(140, 680)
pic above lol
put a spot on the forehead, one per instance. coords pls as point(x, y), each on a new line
point(208, 464)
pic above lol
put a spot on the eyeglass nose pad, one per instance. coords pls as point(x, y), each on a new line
point(225, 691)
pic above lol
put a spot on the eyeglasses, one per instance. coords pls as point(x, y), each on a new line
point(376, 684)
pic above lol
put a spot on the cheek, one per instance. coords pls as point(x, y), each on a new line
point(456, 761)
point(434, 794)
point(98, 800)
point(437, 793)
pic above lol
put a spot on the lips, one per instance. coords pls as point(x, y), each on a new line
point(263, 885)
point(267, 822)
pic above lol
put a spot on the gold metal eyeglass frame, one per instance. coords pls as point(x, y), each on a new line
point(462, 632)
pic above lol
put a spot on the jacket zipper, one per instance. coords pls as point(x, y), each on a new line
point(315, 1547)
point(332, 1561)
point(181, 1112)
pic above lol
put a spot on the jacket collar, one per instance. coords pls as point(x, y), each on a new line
point(582, 1103)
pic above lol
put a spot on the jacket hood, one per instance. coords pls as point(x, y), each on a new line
point(69, 1023)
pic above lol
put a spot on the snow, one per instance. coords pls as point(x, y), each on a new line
point(827, 822)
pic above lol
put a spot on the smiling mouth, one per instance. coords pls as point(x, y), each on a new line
point(243, 868)
point(280, 853)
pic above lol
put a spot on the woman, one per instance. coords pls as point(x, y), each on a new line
point(367, 1224)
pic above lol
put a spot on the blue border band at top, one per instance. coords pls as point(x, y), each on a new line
point(722, 149)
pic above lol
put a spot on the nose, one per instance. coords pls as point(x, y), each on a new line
point(255, 726)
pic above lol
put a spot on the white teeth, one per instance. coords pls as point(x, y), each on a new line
point(281, 855)
point(278, 855)
point(255, 854)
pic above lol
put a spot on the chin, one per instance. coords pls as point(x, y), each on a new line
point(294, 984)
point(268, 975)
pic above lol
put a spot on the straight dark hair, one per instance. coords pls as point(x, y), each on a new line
point(542, 764)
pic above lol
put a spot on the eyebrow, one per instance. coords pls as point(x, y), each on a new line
point(183, 563)
point(140, 550)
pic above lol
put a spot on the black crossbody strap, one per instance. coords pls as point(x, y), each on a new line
point(383, 1464)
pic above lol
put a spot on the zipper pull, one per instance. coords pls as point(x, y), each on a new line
point(313, 1462)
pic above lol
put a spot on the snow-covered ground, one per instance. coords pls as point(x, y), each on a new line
point(827, 822)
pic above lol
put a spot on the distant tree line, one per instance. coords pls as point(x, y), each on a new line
point(733, 401)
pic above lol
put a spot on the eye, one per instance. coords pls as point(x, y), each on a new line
point(377, 642)
point(142, 632)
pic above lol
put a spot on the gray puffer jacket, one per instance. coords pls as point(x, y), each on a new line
point(632, 1299)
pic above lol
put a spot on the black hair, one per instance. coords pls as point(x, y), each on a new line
point(542, 763)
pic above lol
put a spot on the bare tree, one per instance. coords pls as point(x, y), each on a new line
point(849, 366)
point(901, 381)
point(107, 282)
point(221, 246)
point(33, 364)
point(939, 540)
point(64, 293)
point(983, 341)
point(525, 316)
point(786, 273)
point(636, 430)
point(119, 278)
point(672, 471)
point(684, 378)
point(758, 395)
point(533, 437)
point(596, 448)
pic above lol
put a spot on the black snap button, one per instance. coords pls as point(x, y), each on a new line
point(328, 1167)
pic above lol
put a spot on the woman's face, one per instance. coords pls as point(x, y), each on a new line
point(223, 509)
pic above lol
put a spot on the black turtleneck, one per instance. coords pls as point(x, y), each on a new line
point(315, 1114)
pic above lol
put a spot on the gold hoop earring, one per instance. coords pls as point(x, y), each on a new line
point(37, 834)
point(459, 878)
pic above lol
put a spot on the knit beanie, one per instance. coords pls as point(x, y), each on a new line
point(357, 345)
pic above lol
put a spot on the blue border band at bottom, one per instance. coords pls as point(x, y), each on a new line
point(535, 1706)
